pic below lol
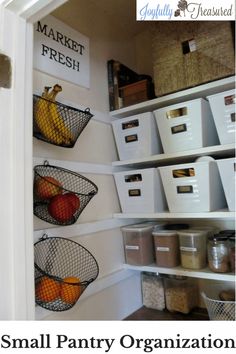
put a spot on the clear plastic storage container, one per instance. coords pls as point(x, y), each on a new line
point(153, 291)
point(138, 243)
point(166, 243)
point(218, 253)
point(180, 294)
point(211, 230)
point(193, 248)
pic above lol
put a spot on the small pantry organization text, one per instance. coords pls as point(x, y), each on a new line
point(126, 341)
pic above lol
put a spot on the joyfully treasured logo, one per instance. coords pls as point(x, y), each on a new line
point(154, 10)
point(195, 10)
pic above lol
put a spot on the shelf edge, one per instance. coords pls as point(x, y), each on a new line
point(202, 274)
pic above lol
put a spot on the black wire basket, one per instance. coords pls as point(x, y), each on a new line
point(57, 123)
point(60, 195)
point(63, 270)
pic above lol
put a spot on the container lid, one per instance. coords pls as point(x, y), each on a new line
point(139, 228)
point(191, 232)
point(164, 233)
point(210, 228)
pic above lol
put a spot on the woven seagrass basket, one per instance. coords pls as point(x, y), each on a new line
point(187, 54)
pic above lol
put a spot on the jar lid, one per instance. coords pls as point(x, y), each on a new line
point(218, 237)
point(227, 232)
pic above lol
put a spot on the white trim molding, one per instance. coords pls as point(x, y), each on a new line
point(94, 288)
point(82, 229)
point(80, 167)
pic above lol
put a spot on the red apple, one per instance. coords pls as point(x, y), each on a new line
point(47, 187)
point(60, 208)
point(74, 200)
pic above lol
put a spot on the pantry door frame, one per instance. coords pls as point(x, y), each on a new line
point(16, 153)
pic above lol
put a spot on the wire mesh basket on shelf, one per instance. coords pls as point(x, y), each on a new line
point(219, 310)
point(57, 123)
point(63, 270)
point(60, 195)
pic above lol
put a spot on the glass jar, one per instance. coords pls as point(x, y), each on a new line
point(232, 252)
point(153, 291)
point(218, 254)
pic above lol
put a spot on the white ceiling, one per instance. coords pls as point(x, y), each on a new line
point(121, 13)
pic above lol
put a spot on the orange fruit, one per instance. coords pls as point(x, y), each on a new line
point(47, 289)
point(47, 187)
point(70, 293)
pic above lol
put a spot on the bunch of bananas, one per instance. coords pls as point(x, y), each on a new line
point(48, 119)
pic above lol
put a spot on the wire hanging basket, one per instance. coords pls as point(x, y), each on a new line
point(57, 123)
point(60, 195)
point(63, 270)
point(219, 310)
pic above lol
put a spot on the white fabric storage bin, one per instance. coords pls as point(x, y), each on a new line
point(193, 187)
point(227, 174)
point(223, 110)
point(137, 136)
point(185, 126)
point(140, 191)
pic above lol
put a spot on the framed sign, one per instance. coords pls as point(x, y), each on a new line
point(61, 51)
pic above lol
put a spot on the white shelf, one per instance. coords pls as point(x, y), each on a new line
point(200, 91)
point(218, 151)
point(205, 273)
point(219, 214)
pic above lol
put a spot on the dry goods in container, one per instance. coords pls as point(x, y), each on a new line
point(193, 248)
point(232, 252)
point(223, 110)
point(153, 291)
point(180, 294)
point(138, 243)
point(199, 189)
point(185, 126)
point(140, 191)
point(137, 136)
point(166, 243)
point(218, 253)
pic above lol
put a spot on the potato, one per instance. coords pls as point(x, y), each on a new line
point(227, 295)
